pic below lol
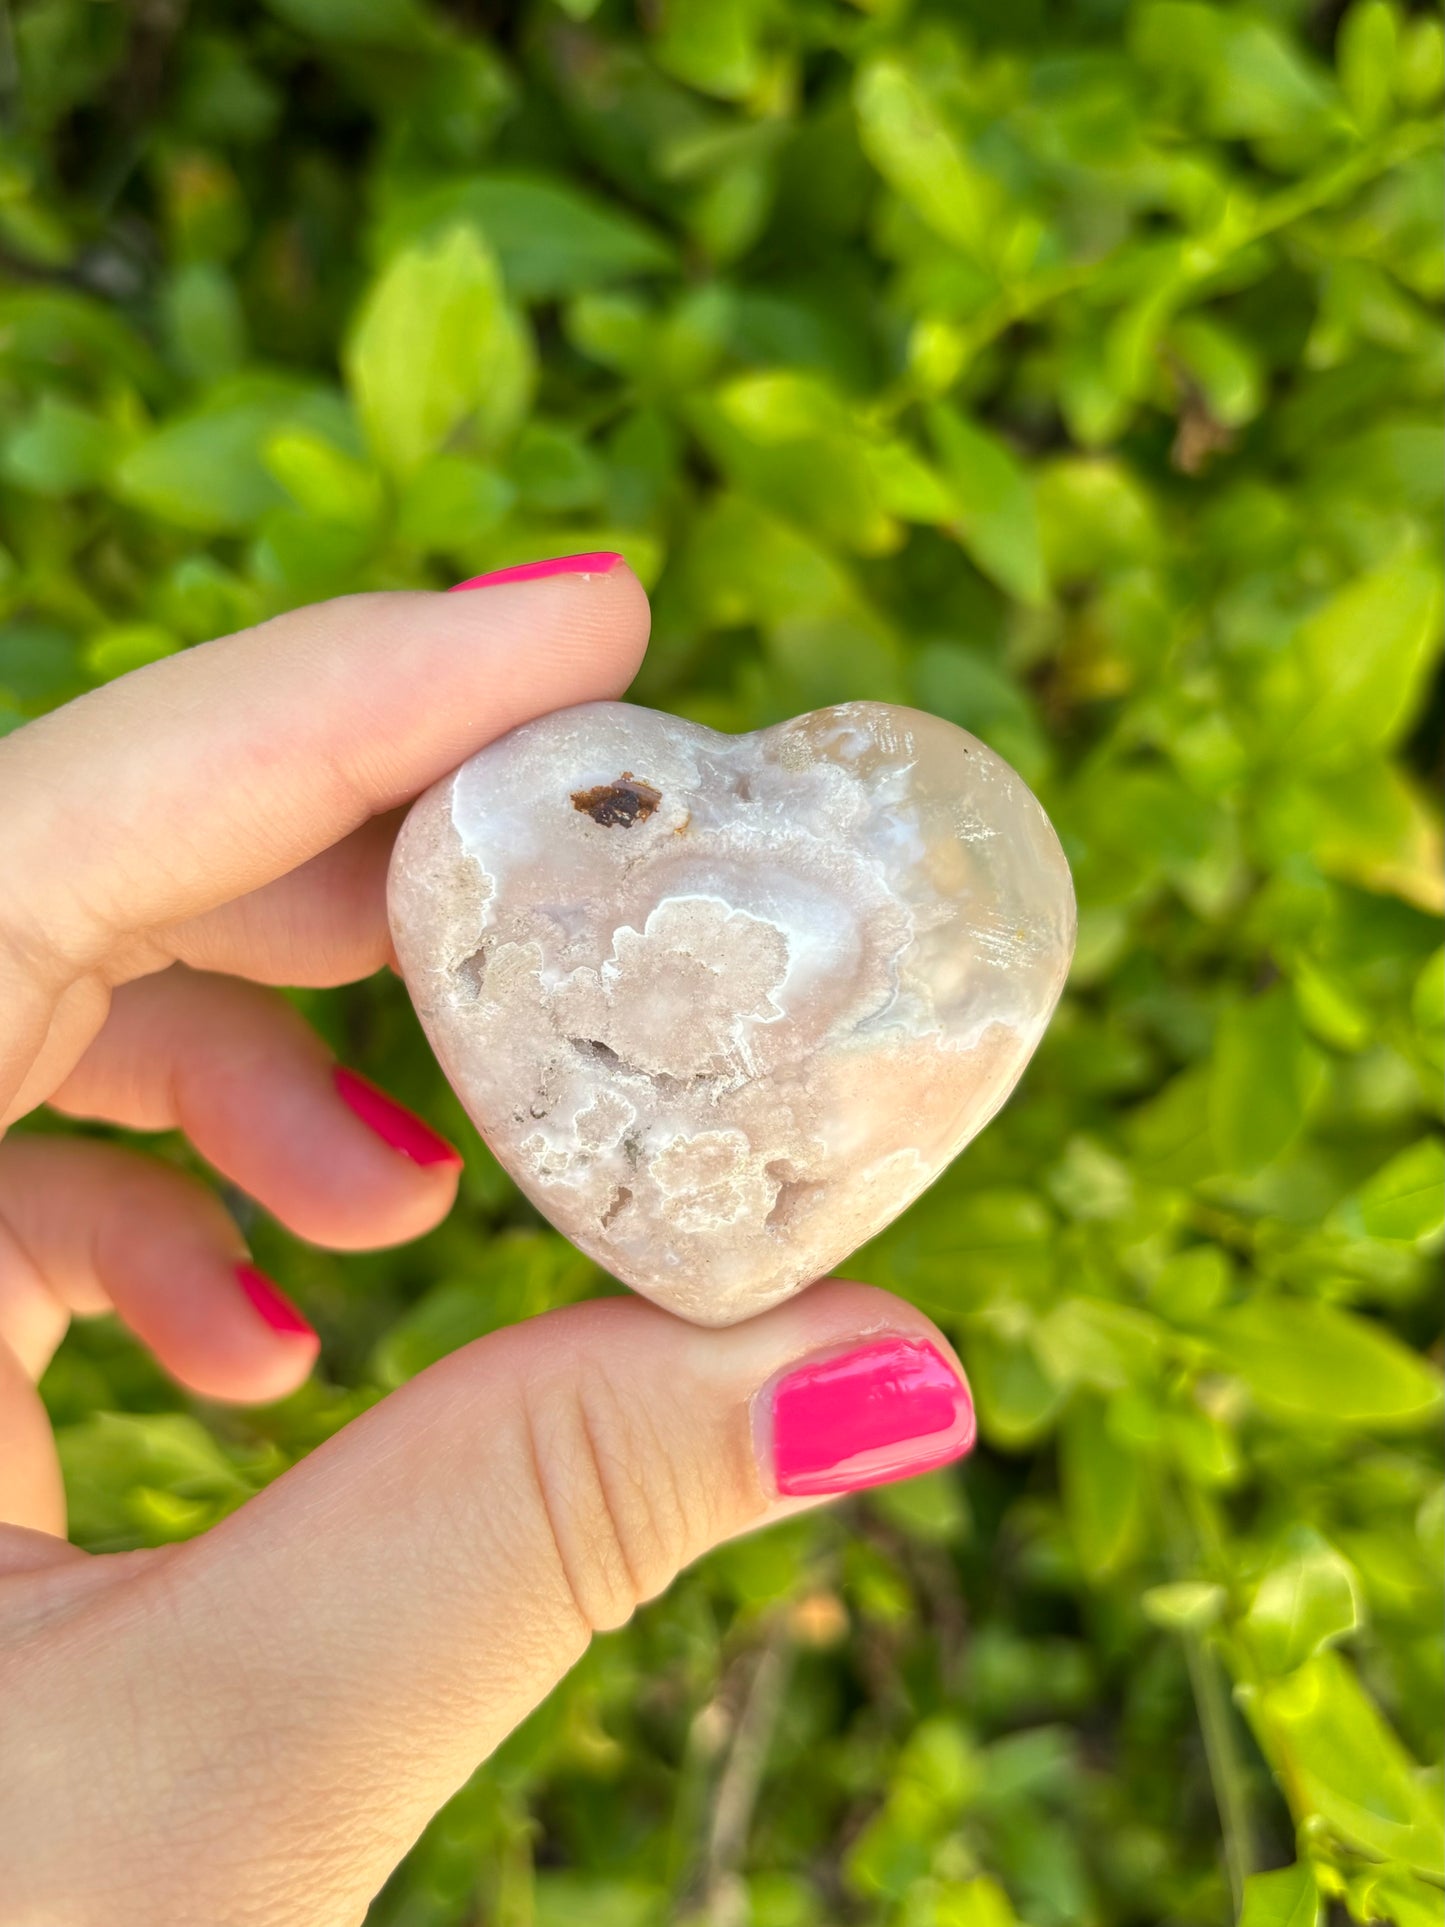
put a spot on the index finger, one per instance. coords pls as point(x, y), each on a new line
point(206, 775)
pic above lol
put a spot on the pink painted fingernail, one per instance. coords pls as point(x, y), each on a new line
point(402, 1129)
point(279, 1313)
point(863, 1417)
point(599, 562)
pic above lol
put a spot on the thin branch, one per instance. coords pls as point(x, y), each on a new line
point(1226, 1765)
point(721, 1896)
point(1218, 1721)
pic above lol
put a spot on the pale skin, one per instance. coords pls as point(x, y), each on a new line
point(252, 1728)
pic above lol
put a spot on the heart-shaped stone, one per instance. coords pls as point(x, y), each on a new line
point(724, 1005)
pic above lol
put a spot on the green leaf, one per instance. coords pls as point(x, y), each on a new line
point(1246, 78)
point(1190, 1284)
point(1102, 1487)
point(1221, 366)
point(61, 449)
point(1366, 48)
point(1094, 1341)
point(908, 485)
point(907, 138)
point(451, 505)
point(1348, 1766)
point(980, 1902)
point(1362, 662)
point(1427, 1002)
point(38, 662)
point(1420, 75)
point(204, 320)
point(997, 520)
point(1302, 1359)
point(43, 327)
point(1188, 1605)
point(1404, 1203)
point(1327, 1009)
point(713, 45)
point(1307, 1601)
point(513, 1277)
point(110, 1458)
point(1263, 1081)
point(1090, 1184)
point(1288, 1898)
point(115, 652)
point(1392, 1895)
point(356, 23)
point(205, 470)
point(436, 348)
point(553, 469)
point(1017, 1400)
point(562, 1899)
point(551, 237)
point(785, 438)
point(1365, 823)
point(321, 479)
point(932, 1509)
point(1094, 517)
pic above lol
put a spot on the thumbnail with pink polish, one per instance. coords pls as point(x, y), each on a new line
point(597, 562)
point(278, 1312)
point(862, 1417)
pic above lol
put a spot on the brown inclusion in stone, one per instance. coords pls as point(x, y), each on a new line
point(625, 802)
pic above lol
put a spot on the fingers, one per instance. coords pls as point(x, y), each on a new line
point(89, 1227)
point(323, 923)
point(31, 1493)
point(206, 776)
point(359, 1636)
point(256, 1091)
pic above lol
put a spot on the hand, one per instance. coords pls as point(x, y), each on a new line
point(255, 1725)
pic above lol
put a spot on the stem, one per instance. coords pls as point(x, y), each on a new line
point(1226, 1767)
point(716, 1894)
point(1212, 1703)
point(741, 1781)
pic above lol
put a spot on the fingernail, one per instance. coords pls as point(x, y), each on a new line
point(599, 562)
point(862, 1417)
point(396, 1126)
point(279, 1313)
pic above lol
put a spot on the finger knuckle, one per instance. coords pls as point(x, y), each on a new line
point(616, 1508)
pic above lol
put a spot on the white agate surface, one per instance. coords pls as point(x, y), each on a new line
point(724, 1005)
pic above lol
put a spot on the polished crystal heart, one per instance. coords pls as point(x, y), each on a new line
point(724, 1005)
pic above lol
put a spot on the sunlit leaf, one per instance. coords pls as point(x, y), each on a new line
point(1308, 1599)
point(1103, 1490)
point(1304, 1359)
point(437, 347)
point(1288, 1898)
point(997, 520)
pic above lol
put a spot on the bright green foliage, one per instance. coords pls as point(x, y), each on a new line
point(1072, 372)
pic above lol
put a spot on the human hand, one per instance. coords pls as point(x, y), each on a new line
point(255, 1725)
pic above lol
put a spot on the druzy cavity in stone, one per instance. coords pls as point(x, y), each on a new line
point(724, 1005)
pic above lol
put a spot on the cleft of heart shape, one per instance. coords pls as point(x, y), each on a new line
point(724, 1005)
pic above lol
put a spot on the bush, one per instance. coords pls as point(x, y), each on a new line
point(1072, 372)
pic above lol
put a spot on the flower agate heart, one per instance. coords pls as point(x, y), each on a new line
point(724, 1005)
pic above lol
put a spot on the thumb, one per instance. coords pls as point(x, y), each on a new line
point(332, 1661)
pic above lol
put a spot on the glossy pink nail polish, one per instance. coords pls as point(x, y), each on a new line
point(863, 1417)
point(599, 562)
point(396, 1126)
point(279, 1313)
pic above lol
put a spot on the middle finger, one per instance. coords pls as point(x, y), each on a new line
point(256, 1091)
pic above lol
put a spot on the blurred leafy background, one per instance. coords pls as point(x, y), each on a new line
point(1071, 368)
